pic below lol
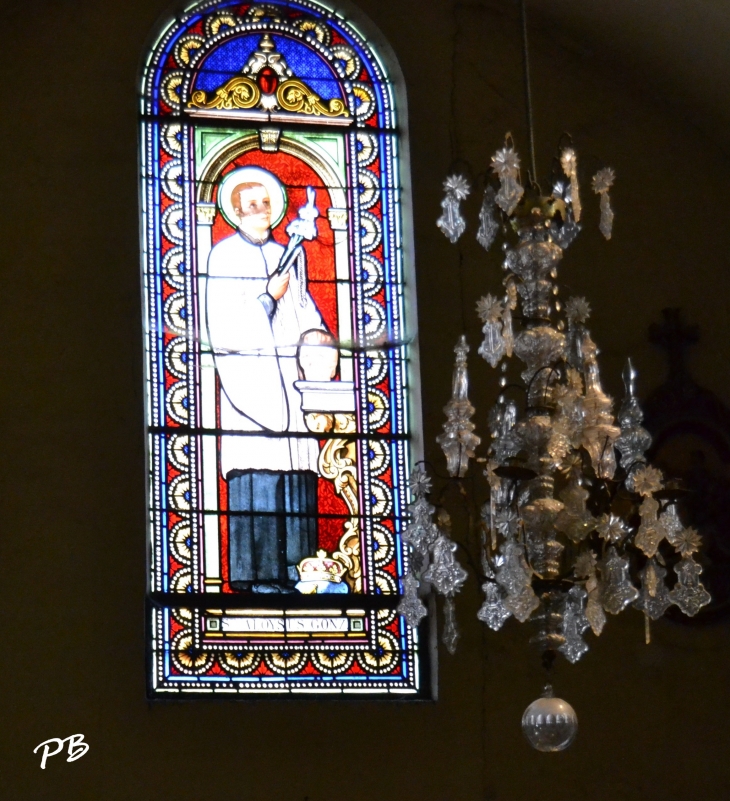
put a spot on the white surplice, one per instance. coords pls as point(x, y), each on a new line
point(255, 355)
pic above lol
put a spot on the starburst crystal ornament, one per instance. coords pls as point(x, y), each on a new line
point(577, 310)
point(686, 541)
point(647, 481)
point(419, 482)
point(611, 528)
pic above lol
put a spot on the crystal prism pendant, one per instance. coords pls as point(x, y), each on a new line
point(569, 163)
point(585, 567)
point(689, 593)
point(575, 624)
point(671, 524)
point(411, 606)
point(493, 612)
point(595, 613)
point(458, 440)
point(602, 182)
point(494, 345)
point(488, 225)
point(445, 573)
point(452, 222)
point(618, 591)
point(606, 224)
point(506, 164)
point(507, 332)
point(565, 232)
point(516, 577)
point(634, 440)
point(421, 532)
point(599, 432)
point(651, 530)
point(654, 599)
point(450, 634)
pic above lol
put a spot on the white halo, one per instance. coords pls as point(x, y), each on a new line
point(277, 194)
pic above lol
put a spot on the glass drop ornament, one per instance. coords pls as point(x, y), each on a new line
point(549, 723)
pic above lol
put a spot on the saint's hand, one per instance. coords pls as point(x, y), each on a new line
point(278, 285)
point(318, 336)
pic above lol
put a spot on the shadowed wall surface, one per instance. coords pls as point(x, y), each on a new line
point(72, 552)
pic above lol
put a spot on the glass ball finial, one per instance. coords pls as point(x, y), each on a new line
point(549, 723)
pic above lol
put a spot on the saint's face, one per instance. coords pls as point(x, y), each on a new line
point(255, 215)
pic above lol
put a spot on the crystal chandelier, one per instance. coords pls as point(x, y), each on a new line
point(578, 525)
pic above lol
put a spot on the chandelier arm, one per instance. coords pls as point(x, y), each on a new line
point(547, 383)
point(552, 368)
point(522, 389)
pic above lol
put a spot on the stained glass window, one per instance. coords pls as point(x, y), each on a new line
point(279, 379)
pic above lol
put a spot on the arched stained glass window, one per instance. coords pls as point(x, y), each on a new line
point(280, 382)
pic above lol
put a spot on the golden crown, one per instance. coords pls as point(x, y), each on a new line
point(321, 568)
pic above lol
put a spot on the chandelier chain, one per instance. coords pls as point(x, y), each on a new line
point(528, 88)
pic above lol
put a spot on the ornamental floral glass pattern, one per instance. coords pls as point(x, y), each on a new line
point(278, 383)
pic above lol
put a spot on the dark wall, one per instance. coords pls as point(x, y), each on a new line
point(72, 551)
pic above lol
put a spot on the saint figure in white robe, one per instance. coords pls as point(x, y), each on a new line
point(256, 317)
